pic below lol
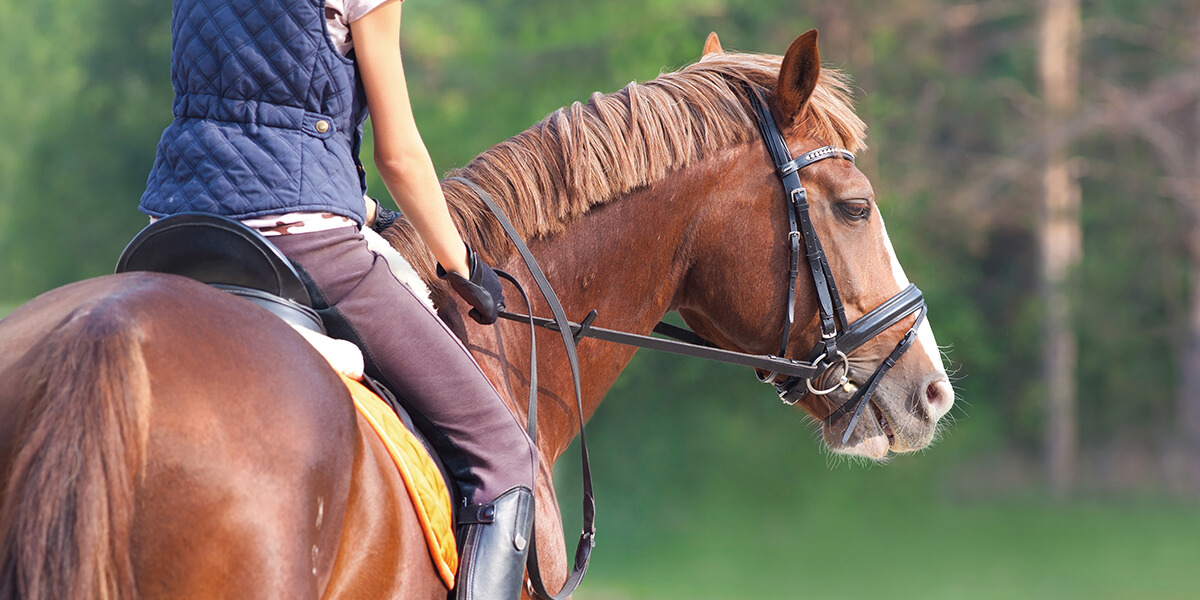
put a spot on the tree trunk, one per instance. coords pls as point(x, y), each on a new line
point(1188, 201)
point(1189, 385)
point(1060, 240)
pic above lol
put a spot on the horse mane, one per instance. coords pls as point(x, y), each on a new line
point(589, 154)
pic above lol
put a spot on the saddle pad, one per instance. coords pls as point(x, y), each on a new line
point(421, 476)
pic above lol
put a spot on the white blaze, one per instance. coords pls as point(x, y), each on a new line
point(925, 331)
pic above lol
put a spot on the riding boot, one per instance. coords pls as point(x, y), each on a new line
point(494, 540)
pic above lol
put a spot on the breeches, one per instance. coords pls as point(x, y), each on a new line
point(414, 354)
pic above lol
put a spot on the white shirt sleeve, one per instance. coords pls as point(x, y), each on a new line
point(339, 14)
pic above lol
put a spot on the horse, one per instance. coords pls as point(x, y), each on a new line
point(160, 438)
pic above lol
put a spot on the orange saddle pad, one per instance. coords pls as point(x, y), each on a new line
point(421, 476)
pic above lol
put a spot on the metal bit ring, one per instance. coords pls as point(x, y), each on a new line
point(841, 381)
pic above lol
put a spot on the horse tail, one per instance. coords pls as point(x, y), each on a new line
point(69, 503)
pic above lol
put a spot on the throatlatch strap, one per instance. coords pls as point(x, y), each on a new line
point(587, 540)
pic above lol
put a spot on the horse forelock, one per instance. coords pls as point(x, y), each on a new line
point(584, 155)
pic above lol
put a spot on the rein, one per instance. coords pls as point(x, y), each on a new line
point(839, 338)
point(587, 539)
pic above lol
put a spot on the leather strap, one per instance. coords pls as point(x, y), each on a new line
point(691, 345)
point(587, 540)
point(829, 303)
point(688, 343)
point(838, 337)
point(879, 319)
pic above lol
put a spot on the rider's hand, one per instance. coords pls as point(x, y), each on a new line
point(482, 290)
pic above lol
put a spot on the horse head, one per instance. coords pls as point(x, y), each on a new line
point(735, 294)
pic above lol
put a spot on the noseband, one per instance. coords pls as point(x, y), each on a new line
point(838, 337)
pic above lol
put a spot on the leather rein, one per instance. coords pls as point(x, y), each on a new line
point(839, 338)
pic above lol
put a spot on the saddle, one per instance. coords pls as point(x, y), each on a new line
point(227, 255)
point(232, 257)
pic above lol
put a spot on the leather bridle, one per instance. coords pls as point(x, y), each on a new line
point(838, 337)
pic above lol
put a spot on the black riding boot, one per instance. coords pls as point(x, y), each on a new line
point(494, 542)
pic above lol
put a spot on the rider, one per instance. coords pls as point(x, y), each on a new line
point(270, 99)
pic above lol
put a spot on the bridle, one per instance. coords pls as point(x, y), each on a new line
point(838, 337)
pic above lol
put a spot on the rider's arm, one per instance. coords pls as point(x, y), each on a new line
point(400, 154)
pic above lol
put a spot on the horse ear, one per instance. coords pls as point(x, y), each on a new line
point(712, 45)
point(797, 77)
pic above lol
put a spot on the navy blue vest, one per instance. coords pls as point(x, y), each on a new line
point(268, 115)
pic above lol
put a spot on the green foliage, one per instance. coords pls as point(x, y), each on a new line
point(482, 72)
point(89, 110)
point(1135, 300)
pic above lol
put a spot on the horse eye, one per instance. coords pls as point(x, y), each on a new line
point(856, 209)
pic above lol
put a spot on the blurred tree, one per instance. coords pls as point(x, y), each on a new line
point(957, 131)
point(1171, 128)
point(1059, 238)
point(96, 96)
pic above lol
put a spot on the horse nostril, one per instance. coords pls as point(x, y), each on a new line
point(932, 393)
point(940, 396)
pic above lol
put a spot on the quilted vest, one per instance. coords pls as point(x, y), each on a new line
point(268, 115)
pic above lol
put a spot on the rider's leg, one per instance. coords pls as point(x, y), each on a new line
point(415, 354)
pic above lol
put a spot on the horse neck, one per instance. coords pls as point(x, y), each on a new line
point(626, 260)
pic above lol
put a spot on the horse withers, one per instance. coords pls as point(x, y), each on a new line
point(159, 438)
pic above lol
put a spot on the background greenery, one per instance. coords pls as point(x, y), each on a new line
point(708, 488)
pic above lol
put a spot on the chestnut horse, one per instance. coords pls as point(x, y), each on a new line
point(159, 438)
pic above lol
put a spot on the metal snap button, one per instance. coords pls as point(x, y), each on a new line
point(322, 126)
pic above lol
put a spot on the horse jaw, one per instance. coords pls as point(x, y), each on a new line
point(874, 445)
point(890, 424)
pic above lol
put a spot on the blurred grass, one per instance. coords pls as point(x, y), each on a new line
point(873, 548)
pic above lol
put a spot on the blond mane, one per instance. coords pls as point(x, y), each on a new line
point(589, 154)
